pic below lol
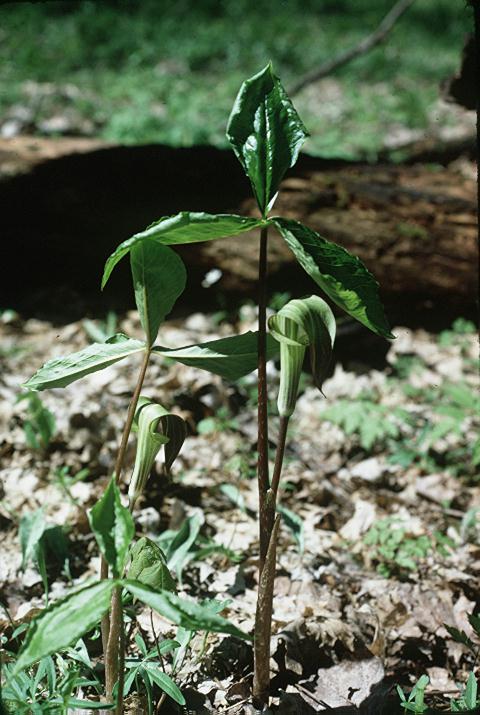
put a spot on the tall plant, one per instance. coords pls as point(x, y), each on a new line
point(266, 134)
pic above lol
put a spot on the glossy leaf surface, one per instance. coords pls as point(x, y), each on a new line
point(62, 371)
point(164, 682)
point(266, 134)
point(183, 612)
point(230, 357)
point(185, 227)
point(113, 527)
point(340, 275)
point(159, 278)
point(64, 622)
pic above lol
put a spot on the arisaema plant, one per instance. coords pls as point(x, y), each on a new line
point(266, 134)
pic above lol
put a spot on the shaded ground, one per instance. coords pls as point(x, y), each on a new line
point(346, 612)
point(83, 200)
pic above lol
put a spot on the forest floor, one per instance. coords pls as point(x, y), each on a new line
point(380, 538)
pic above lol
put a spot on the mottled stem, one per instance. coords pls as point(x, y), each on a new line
point(277, 472)
point(263, 478)
point(263, 624)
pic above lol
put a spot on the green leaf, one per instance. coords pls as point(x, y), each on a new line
point(475, 623)
point(165, 683)
point(301, 323)
point(470, 694)
point(76, 703)
point(183, 612)
point(230, 358)
point(113, 527)
point(294, 523)
point(64, 622)
point(185, 227)
point(182, 542)
point(149, 566)
point(159, 278)
point(30, 533)
point(460, 636)
point(61, 371)
point(266, 134)
point(340, 275)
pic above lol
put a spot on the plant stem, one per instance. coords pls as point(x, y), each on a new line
point(263, 478)
point(111, 654)
point(263, 624)
point(130, 415)
point(112, 623)
point(277, 470)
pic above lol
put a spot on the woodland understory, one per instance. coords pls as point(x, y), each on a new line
point(379, 545)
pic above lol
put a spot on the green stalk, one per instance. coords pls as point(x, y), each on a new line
point(112, 623)
point(262, 473)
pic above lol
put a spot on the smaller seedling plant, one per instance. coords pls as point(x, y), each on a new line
point(415, 702)
point(413, 436)
point(41, 542)
point(266, 134)
point(396, 551)
point(39, 424)
point(467, 700)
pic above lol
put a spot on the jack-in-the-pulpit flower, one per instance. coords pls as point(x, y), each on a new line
point(156, 428)
point(302, 323)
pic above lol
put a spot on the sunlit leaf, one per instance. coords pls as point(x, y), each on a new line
point(230, 358)
point(159, 278)
point(183, 612)
point(185, 227)
point(342, 276)
point(64, 622)
point(266, 134)
point(113, 527)
point(164, 682)
point(61, 371)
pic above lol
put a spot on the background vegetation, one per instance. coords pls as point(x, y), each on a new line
point(167, 70)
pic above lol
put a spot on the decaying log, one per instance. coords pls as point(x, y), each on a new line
point(413, 226)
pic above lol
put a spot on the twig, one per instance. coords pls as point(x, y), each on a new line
point(375, 38)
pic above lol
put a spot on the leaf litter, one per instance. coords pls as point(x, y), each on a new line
point(352, 606)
